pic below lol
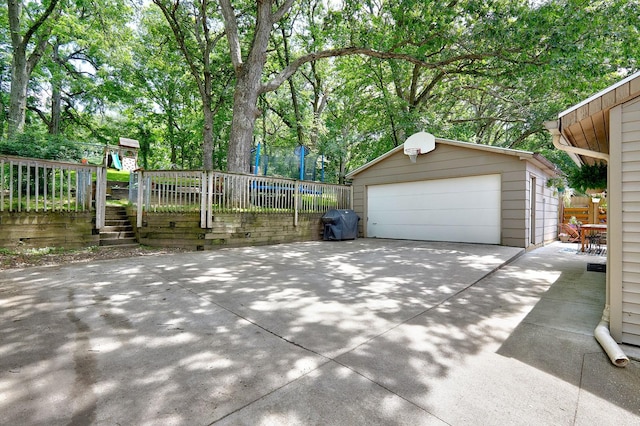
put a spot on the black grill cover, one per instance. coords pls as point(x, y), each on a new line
point(340, 225)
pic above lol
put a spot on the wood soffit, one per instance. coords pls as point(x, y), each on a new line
point(587, 124)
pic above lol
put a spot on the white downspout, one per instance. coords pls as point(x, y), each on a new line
point(602, 332)
point(552, 127)
point(603, 336)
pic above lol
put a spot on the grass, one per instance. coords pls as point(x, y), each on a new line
point(114, 175)
point(122, 203)
point(55, 204)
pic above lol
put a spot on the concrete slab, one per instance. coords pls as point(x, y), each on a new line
point(355, 332)
point(330, 301)
point(608, 395)
point(331, 395)
point(162, 357)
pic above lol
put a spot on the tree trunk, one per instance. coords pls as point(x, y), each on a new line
point(56, 94)
point(245, 113)
point(248, 82)
point(21, 66)
point(56, 108)
point(207, 134)
point(207, 102)
point(292, 89)
point(342, 171)
point(173, 155)
point(3, 118)
point(18, 96)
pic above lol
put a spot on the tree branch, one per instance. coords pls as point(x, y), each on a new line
point(489, 119)
point(231, 29)
point(172, 19)
point(277, 81)
point(37, 52)
point(284, 8)
point(41, 20)
point(40, 113)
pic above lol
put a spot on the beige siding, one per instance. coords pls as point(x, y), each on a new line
point(448, 161)
point(630, 199)
point(514, 203)
point(547, 204)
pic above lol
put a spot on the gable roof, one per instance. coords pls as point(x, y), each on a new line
point(129, 143)
point(523, 155)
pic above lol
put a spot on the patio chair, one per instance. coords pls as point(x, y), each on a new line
point(573, 233)
point(596, 241)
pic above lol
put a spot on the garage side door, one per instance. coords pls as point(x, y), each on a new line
point(458, 210)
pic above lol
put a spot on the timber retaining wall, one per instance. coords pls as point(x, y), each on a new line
point(77, 230)
point(228, 230)
point(48, 229)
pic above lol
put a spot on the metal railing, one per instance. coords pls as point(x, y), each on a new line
point(217, 192)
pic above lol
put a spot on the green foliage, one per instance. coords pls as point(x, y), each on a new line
point(491, 73)
point(37, 145)
point(589, 176)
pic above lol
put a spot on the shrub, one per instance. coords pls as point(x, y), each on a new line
point(36, 145)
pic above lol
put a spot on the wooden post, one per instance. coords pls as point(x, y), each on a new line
point(296, 195)
point(140, 198)
point(594, 211)
point(101, 195)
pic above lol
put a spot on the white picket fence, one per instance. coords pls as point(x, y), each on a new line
point(217, 192)
point(34, 185)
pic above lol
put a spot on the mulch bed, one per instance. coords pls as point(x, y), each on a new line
point(29, 258)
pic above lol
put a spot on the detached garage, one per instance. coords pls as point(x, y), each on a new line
point(457, 192)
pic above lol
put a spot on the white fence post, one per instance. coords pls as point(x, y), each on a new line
point(101, 196)
point(140, 198)
point(296, 196)
point(204, 199)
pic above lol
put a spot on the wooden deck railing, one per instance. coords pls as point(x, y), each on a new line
point(217, 192)
point(34, 185)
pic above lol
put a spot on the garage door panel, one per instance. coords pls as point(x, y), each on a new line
point(460, 209)
point(420, 201)
point(484, 235)
point(441, 217)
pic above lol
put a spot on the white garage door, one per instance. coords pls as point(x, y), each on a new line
point(458, 210)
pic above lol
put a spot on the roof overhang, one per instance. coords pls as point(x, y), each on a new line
point(585, 126)
point(129, 143)
point(534, 158)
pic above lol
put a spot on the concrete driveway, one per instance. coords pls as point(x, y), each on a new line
point(345, 333)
